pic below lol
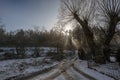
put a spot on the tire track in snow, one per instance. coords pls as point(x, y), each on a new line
point(67, 76)
point(82, 73)
point(76, 75)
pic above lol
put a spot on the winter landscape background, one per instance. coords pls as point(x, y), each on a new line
point(59, 40)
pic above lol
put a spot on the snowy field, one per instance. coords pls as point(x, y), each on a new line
point(29, 52)
point(82, 65)
point(18, 68)
point(23, 67)
point(111, 69)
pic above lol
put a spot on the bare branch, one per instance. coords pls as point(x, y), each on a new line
point(111, 11)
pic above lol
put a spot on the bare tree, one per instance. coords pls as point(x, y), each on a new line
point(110, 11)
point(81, 11)
point(59, 38)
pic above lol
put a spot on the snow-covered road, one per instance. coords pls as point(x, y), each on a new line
point(64, 71)
point(69, 74)
point(71, 70)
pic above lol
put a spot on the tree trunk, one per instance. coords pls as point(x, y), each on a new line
point(110, 34)
point(88, 35)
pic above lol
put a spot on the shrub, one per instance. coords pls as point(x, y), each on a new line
point(58, 57)
point(51, 54)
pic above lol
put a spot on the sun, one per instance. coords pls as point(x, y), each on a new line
point(68, 27)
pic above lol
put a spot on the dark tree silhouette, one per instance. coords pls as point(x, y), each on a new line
point(110, 11)
point(82, 11)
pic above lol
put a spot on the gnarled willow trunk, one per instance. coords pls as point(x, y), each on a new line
point(111, 31)
point(88, 35)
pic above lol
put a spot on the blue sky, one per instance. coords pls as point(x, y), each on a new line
point(26, 14)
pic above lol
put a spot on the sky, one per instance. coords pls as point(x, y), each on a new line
point(25, 14)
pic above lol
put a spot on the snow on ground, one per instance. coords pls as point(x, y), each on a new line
point(82, 65)
point(10, 68)
point(61, 77)
point(75, 75)
point(29, 51)
point(111, 69)
point(56, 74)
point(45, 49)
point(44, 75)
